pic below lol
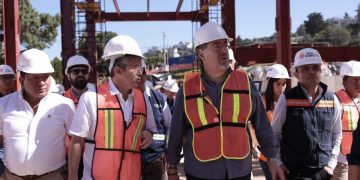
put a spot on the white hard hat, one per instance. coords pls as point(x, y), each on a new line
point(277, 71)
point(171, 85)
point(210, 31)
point(6, 69)
point(307, 56)
point(119, 46)
point(34, 61)
point(351, 68)
point(231, 54)
point(76, 61)
point(53, 86)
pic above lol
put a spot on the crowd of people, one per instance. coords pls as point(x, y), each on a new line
point(216, 120)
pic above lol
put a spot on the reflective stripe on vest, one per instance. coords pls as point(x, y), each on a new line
point(117, 147)
point(226, 129)
point(306, 103)
point(349, 119)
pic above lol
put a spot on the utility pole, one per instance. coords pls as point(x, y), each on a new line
point(164, 53)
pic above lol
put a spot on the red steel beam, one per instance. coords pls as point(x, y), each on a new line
point(228, 19)
point(179, 7)
point(282, 25)
point(90, 42)
point(11, 27)
point(67, 35)
point(249, 56)
point(154, 16)
point(117, 8)
point(206, 13)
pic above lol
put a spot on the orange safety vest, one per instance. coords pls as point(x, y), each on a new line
point(349, 118)
point(117, 147)
point(219, 134)
point(69, 94)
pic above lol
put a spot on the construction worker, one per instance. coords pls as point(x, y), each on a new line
point(276, 75)
point(153, 157)
point(7, 79)
point(34, 123)
point(77, 71)
point(170, 88)
point(307, 122)
point(354, 157)
point(349, 99)
point(208, 114)
point(115, 121)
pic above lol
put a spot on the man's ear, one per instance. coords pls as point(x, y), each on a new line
point(201, 54)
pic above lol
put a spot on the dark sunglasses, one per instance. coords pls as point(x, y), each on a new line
point(77, 71)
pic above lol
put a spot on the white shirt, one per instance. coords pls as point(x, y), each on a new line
point(34, 144)
point(86, 117)
point(279, 118)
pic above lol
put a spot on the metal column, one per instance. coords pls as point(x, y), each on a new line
point(283, 22)
point(67, 35)
point(228, 20)
point(91, 43)
point(11, 26)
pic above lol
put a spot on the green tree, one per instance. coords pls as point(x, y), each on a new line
point(154, 56)
point(38, 30)
point(57, 64)
point(335, 35)
point(315, 23)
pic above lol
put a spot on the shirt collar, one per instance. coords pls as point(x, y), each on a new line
point(115, 91)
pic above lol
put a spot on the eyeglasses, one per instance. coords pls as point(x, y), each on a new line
point(77, 71)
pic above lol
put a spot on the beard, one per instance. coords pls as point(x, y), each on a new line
point(79, 83)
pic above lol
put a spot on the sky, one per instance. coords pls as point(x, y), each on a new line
point(254, 18)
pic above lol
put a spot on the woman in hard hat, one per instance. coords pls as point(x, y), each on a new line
point(277, 75)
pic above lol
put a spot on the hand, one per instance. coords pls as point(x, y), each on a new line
point(329, 170)
point(277, 173)
point(146, 139)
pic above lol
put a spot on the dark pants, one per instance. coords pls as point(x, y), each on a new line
point(265, 168)
point(308, 174)
point(154, 170)
point(247, 177)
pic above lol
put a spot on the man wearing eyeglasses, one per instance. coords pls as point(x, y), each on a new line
point(77, 71)
point(116, 122)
